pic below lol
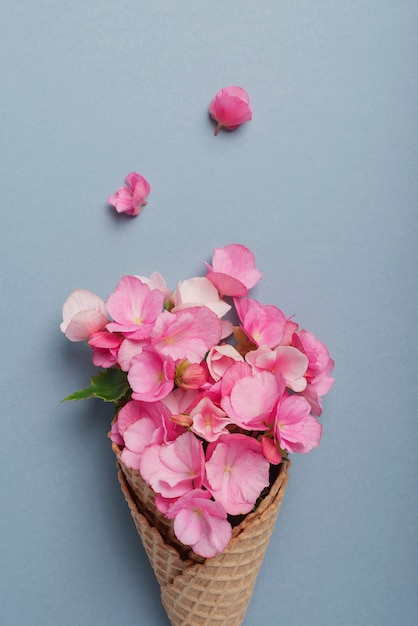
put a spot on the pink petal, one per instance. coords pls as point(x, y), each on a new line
point(83, 314)
point(84, 324)
point(271, 451)
point(233, 270)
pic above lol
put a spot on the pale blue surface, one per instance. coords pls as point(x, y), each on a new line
point(322, 185)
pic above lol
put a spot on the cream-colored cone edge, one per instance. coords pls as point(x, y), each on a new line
point(197, 591)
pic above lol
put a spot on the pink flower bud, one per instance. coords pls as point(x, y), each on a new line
point(230, 108)
point(131, 197)
point(182, 420)
point(190, 376)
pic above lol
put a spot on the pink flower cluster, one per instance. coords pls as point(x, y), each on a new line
point(211, 405)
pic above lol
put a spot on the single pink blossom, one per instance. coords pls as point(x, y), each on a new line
point(131, 197)
point(220, 358)
point(208, 420)
point(237, 472)
point(230, 108)
point(174, 468)
point(186, 334)
point(83, 314)
point(200, 522)
point(295, 428)
point(262, 323)
point(288, 361)
point(151, 375)
point(233, 270)
point(134, 308)
point(252, 399)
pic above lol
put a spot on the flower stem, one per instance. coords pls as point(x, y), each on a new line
point(218, 128)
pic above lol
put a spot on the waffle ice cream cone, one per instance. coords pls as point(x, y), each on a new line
point(197, 591)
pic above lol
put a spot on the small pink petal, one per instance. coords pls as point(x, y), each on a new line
point(271, 451)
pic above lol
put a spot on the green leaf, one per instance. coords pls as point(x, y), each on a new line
point(110, 386)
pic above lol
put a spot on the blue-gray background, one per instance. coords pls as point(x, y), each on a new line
point(322, 185)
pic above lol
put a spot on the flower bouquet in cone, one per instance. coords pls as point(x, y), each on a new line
point(213, 390)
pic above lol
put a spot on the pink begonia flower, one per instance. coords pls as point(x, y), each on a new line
point(153, 426)
point(252, 399)
point(174, 468)
point(295, 428)
point(151, 375)
point(271, 451)
point(83, 314)
point(220, 358)
point(209, 421)
point(237, 472)
point(233, 270)
point(201, 523)
point(105, 348)
point(262, 323)
point(134, 308)
point(289, 361)
point(186, 334)
point(131, 197)
point(199, 291)
point(230, 108)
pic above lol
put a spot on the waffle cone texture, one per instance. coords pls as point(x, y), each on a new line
point(197, 591)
